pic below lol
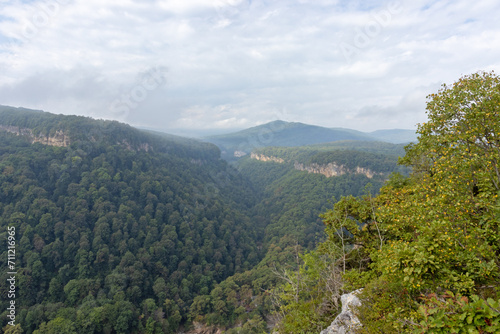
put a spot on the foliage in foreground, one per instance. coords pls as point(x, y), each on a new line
point(311, 292)
point(426, 249)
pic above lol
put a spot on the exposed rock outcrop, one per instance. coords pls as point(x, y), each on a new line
point(62, 139)
point(332, 169)
point(361, 170)
point(329, 170)
point(145, 147)
point(141, 147)
point(262, 157)
point(58, 139)
point(239, 154)
point(346, 322)
point(16, 130)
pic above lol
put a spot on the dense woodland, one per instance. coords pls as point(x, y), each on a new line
point(125, 231)
point(111, 238)
point(290, 207)
point(426, 250)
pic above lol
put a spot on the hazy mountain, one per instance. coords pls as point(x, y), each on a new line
point(292, 134)
point(280, 133)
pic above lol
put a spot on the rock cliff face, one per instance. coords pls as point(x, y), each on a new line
point(346, 322)
point(58, 139)
point(262, 157)
point(329, 170)
point(332, 169)
point(369, 173)
point(239, 154)
point(16, 130)
point(61, 139)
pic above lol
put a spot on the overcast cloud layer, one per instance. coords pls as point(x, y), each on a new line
point(199, 64)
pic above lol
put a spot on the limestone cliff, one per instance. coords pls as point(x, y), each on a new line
point(59, 139)
point(142, 147)
point(332, 169)
point(262, 157)
point(329, 170)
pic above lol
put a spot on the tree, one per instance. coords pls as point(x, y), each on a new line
point(58, 325)
point(13, 329)
point(442, 226)
point(456, 162)
point(429, 244)
point(462, 137)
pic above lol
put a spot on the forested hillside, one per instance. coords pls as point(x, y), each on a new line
point(126, 231)
point(290, 205)
point(293, 198)
point(426, 250)
point(120, 230)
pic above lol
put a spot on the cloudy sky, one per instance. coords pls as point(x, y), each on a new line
point(227, 64)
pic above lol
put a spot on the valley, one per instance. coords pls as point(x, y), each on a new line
point(249, 167)
point(120, 228)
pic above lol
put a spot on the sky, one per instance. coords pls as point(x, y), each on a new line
point(201, 65)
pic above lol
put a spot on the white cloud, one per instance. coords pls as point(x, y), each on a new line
point(234, 63)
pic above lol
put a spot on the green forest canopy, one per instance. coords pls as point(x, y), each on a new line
point(426, 250)
point(111, 238)
point(125, 230)
point(116, 239)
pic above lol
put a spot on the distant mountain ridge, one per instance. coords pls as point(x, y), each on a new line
point(64, 130)
point(293, 134)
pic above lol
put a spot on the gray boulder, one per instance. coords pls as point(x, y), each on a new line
point(346, 322)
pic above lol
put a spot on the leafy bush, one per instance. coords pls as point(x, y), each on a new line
point(437, 230)
point(452, 313)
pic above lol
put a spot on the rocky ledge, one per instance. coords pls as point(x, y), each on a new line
point(329, 170)
point(347, 321)
point(58, 139)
